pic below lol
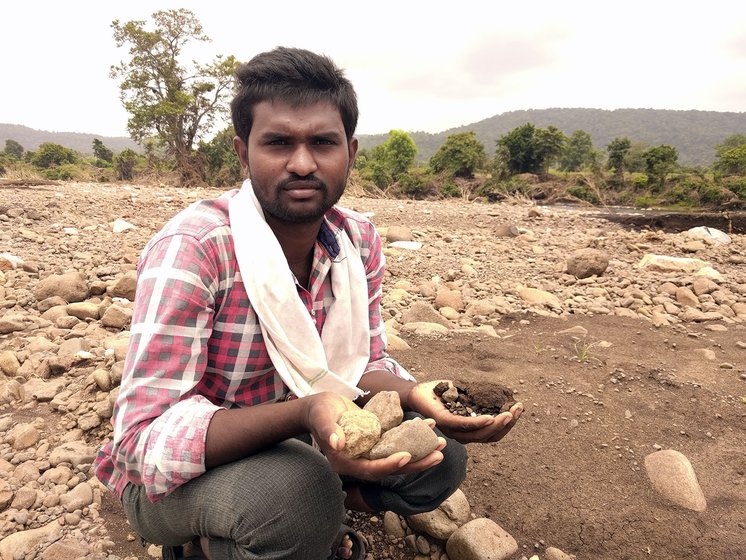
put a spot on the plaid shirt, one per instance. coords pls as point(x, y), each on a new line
point(196, 345)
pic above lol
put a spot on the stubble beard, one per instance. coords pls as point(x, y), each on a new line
point(280, 211)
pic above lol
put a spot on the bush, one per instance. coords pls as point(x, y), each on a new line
point(639, 182)
point(450, 190)
point(583, 192)
point(736, 185)
point(50, 154)
point(416, 184)
point(67, 172)
point(713, 194)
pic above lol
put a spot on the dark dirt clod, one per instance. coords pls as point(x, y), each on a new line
point(475, 398)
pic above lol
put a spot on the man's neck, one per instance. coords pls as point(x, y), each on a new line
point(297, 242)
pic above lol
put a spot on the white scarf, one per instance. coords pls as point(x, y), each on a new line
point(306, 362)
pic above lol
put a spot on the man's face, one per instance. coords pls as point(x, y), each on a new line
point(298, 159)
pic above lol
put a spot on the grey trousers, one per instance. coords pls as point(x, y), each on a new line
point(282, 503)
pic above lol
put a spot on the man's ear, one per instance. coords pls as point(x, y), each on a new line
point(242, 151)
point(352, 147)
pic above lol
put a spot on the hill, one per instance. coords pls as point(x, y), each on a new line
point(694, 133)
point(81, 142)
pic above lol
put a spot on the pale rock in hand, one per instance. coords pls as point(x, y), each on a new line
point(362, 430)
point(413, 436)
point(386, 405)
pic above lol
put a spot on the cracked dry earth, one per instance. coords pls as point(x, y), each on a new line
point(601, 390)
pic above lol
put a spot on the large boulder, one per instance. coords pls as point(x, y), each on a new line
point(584, 263)
point(70, 286)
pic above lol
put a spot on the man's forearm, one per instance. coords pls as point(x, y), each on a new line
point(239, 432)
point(376, 381)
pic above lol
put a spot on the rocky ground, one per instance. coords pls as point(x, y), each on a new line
point(633, 443)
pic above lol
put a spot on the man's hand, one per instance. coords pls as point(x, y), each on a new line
point(322, 413)
point(481, 429)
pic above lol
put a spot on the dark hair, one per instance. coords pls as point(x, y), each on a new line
point(294, 76)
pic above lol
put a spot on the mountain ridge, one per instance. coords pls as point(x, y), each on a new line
point(694, 133)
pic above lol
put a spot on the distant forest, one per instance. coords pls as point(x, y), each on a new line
point(693, 133)
point(81, 142)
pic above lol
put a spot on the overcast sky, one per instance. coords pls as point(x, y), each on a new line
point(416, 65)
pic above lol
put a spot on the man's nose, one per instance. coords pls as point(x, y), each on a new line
point(302, 161)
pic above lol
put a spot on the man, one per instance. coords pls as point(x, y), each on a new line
point(257, 318)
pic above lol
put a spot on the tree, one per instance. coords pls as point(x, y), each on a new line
point(618, 149)
point(732, 161)
point(50, 154)
point(101, 152)
point(527, 149)
point(13, 149)
point(460, 155)
point(730, 142)
point(399, 151)
point(659, 161)
point(551, 144)
point(223, 166)
point(578, 152)
point(167, 99)
point(124, 164)
point(388, 162)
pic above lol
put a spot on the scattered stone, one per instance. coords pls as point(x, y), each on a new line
point(23, 543)
point(481, 539)
point(552, 553)
point(709, 234)
point(671, 474)
point(442, 522)
point(121, 225)
point(392, 525)
point(398, 233)
point(584, 263)
point(70, 286)
point(664, 263)
point(124, 286)
point(534, 296)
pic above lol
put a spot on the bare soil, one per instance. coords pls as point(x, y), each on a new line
point(571, 473)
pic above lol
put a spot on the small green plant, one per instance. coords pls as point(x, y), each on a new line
point(583, 350)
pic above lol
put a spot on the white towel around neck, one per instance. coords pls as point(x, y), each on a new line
point(306, 362)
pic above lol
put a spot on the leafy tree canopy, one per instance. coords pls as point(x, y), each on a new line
point(50, 154)
point(659, 161)
point(618, 149)
point(733, 161)
point(13, 148)
point(102, 152)
point(578, 152)
point(175, 102)
point(528, 149)
point(460, 155)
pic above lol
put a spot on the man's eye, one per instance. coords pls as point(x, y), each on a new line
point(324, 142)
point(278, 142)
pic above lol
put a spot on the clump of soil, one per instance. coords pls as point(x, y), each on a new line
point(478, 397)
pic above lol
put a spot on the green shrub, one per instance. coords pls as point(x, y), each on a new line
point(713, 194)
point(639, 182)
point(450, 190)
point(67, 172)
point(736, 185)
point(583, 192)
point(646, 201)
point(416, 183)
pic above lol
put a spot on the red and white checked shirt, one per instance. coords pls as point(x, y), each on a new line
point(196, 346)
